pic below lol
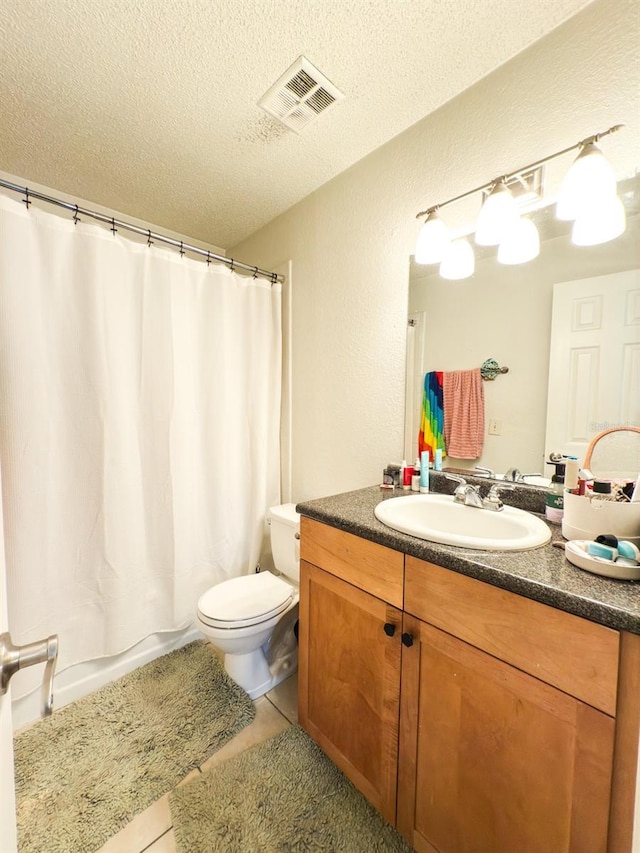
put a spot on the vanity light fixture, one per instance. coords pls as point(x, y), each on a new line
point(520, 244)
point(458, 261)
point(498, 215)
point(587, 196)
point(433, 239)
point(589, 182)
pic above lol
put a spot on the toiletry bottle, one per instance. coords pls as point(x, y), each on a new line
point(415, 480)
point(407, 475)
point(403, 465)
point(571, 475)
point(554, 499)
point(424, 472)
point(437, 465)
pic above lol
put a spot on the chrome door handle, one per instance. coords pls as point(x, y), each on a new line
point(13, 658)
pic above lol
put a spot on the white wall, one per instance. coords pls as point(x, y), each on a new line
point(350, 241)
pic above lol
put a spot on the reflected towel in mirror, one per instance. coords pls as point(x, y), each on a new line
point(463, 397)
point(431, 435)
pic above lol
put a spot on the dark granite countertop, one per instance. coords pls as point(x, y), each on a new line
point(542, 574)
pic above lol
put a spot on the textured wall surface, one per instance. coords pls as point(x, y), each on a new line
point(150, 107)
point(350, 241)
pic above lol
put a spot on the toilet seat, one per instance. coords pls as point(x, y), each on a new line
point(245, 601)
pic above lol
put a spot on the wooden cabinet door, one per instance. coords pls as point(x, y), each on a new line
point(349, 681)
point(493, 760)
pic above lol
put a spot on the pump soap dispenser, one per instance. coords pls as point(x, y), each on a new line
point(554, 500)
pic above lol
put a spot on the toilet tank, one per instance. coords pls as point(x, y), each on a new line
point(285, 539)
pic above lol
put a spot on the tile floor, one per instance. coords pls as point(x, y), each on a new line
point(151, 830)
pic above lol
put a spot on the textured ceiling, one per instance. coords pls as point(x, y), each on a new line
point(149, 107)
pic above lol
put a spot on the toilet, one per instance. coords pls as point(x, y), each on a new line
point(253, 618)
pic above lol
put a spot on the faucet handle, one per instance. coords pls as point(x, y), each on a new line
point(460, 490)
point(495, 490)
point(456, 478)
point(492, 500)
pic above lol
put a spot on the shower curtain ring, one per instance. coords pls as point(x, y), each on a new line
point(76, 218)
point(208, 258)
point(232, 265)
point(181, 249)
point(113, 228)
point(255, 273)
point(149, 240)
point(26, 200)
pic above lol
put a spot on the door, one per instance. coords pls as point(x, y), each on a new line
point(594, 360)
point(493, 760)
point(8, 839)
point(414, 386)
point(349, 681)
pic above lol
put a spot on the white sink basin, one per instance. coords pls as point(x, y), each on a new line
point(439, 518)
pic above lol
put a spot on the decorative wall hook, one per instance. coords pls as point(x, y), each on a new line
point(490, 369)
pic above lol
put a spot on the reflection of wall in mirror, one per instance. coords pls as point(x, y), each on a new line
point(505, 313)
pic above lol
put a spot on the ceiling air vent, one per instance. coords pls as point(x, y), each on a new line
point(300, 95)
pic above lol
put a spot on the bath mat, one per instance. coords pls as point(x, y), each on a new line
point(85, 772)
point(283, 795)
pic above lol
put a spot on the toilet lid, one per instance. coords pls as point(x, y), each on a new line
point(244, 601)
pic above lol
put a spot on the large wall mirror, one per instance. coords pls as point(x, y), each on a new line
point(507, 313)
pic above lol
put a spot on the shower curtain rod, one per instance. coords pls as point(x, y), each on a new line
point(151, 236)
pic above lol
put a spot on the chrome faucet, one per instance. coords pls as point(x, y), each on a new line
point(481, 471)
point(465, 493)
point(513, 475)
point(470, 495)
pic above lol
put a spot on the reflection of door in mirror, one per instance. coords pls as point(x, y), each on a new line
point(594, 364)
point(414, 386)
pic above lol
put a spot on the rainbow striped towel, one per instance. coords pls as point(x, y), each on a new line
point(432, 419)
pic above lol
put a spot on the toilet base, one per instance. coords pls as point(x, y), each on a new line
point(252, 672)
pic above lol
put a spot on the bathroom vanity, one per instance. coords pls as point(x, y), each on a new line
point(481, 701)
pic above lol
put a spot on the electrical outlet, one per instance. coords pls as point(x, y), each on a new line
point(495, 426)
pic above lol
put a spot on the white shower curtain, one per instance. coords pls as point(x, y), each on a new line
point(139, 430)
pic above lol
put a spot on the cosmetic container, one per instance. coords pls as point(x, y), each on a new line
point(437, 462)
point(415, 480)
point(407, 475)
point(424, 472)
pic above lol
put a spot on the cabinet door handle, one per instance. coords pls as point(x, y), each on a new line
point(407, 639)
point(389, 629)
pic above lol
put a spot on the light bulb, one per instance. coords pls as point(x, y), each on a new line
point(599, 224)
point(497, 215)
point(520, 244)
point(433, 238)
point(458, 261)
point(589, 182)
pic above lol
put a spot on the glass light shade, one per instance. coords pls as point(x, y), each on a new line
point(497, 215)
point(599, 224)
point(520, 244)
point(589, 182)
point(433, 239)
point(458, 261)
